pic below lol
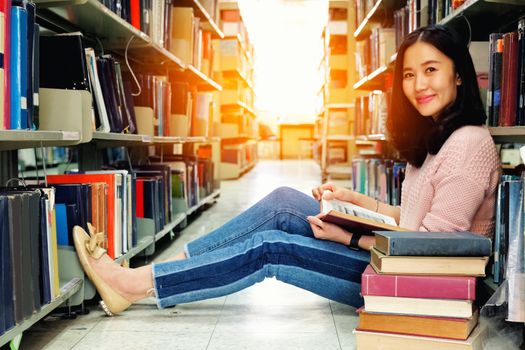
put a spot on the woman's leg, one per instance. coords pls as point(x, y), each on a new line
point(283, 209)
point(326, 268)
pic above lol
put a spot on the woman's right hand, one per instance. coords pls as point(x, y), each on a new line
point(330, 191)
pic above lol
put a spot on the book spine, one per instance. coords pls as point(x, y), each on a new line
point(430, 287)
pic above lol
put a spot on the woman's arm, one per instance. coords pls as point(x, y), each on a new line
point(330, 232)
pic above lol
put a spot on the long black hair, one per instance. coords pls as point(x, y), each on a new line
point(414, 135)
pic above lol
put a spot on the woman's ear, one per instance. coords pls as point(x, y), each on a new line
point(458, 79)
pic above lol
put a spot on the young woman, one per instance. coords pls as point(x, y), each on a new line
point(436, 123)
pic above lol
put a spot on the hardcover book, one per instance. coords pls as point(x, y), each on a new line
point(432, 243)
point(428, 326)
point(428, 265)
point(419, 306)
point(389, 341)
point(416, 286)
point(355, 218)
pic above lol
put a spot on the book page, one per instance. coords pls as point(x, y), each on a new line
point(352, 209)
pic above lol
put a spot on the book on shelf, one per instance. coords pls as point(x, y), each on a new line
point(456, 308)
point(389, 341)
point(428, 265)
point(432, 244)
point(428, 326)
point(418, 286)
point(355, 218)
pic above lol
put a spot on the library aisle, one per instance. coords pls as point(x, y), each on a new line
point(269, 315)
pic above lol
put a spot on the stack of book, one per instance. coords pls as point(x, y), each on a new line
point(420, 289)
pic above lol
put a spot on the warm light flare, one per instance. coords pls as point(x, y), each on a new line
point(287, 37)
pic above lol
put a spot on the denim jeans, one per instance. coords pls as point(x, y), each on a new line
point(270, 239)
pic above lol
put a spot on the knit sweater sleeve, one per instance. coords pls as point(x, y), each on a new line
point(461, 184)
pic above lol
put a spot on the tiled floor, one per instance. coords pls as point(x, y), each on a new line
point(270, 315)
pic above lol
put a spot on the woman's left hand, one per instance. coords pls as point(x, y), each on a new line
point(327, 231)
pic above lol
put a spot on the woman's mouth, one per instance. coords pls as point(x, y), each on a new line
point(424, 99)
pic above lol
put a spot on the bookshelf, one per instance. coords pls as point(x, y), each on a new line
point(337, 114)
point(118, 37)
point(238, 125)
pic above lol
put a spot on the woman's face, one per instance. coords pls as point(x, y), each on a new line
point(429, 79)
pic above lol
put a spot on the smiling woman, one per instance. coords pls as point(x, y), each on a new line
point(434, 77)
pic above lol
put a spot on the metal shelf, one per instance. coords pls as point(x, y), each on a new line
point(480, 15)
point(110, 139)
point(237, 107)
point(508, 133)
point(18, 139)
point(66, 291)
point(167, 229)
point(188, 139)
point(204, 201)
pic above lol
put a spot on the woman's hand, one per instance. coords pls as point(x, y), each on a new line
point(327, 231)
point(330, 191)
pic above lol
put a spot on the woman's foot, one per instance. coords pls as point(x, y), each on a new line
point(132, 284)
point(118, 287)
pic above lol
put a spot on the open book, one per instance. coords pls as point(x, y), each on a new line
point(357, 219)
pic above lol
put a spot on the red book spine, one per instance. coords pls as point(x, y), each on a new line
point(413, 286)
point(135, 13)
point(139, 194)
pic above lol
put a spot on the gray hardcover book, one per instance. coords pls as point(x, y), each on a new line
point(432, 243)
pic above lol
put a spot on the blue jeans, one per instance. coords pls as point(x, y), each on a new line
point(270, 239)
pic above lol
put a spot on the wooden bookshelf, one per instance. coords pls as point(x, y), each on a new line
point(374, 81)
point(207, 22)
point(374, 15)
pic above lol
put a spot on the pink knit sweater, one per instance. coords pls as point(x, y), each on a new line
point(454, 190)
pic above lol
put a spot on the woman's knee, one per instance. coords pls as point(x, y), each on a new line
point(284, 195)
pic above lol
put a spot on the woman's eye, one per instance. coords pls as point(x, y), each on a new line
point(430, 69)
point(408, 75)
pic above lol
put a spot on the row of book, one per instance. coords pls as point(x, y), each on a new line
point(67, 63)
point(175, 28)
point(509, 247)
point(420, 290)
point(506, 83)
point(371, 112)
point(375, 51)
point(28, 253)
point(420, 13)
point(381, 179)
point(114, 200)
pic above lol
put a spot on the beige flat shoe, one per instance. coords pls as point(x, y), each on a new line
point(89, 245)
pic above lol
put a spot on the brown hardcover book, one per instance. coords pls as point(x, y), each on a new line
point(509, 80)
point(357, 219)
point(440, 327)
point(390, 341)
point(428, 265)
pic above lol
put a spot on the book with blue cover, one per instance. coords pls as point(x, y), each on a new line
point(18, 67)
point(432, 243)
